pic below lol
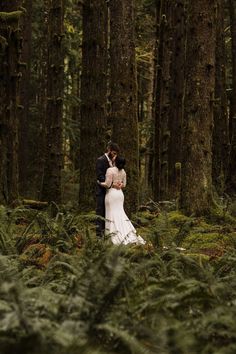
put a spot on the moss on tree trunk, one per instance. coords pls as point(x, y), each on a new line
point(9, 99)
point(51, 190)
point(220, 147)
point(231, 178)
point(124, 113)
point(196, 186)
point(93, 97)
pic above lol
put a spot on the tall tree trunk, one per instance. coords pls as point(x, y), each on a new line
point(52, 170)
point(231, 180)
point(166, 82)
point(220, 147)
point(75, 117)
point(24, 97)
point(123, 85)
point(177, 93)
point(154, 158)
point(36, 89)
point(162, 134)
point(9, 99)
point(93, 97)
point(196, 187)
point(146, 82)
point(160, 50)
point(3, 118)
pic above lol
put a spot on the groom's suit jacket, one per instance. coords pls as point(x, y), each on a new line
point(101, 169)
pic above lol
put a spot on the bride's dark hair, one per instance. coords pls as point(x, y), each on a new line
point(120, 162)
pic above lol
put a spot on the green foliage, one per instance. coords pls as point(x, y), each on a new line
point(107, 299)
point(177, 218)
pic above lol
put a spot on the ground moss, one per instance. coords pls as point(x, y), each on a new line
point(208, 237)
point(220, 216)
point(231, 239)
point(205, 235)
point(143, 218)
point(177, 218)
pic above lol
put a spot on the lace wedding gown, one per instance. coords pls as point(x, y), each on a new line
point(117, 224)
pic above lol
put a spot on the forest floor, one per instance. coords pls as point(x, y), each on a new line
point(62, 290)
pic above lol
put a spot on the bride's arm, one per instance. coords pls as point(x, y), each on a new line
point(109, 179)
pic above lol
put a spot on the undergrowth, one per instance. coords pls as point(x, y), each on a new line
point(64, 291)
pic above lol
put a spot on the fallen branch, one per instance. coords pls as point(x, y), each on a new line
point(35, 204)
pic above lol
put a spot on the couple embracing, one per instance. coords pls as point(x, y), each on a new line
point(111, 179)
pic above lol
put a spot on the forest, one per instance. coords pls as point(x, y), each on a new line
point(157, 77)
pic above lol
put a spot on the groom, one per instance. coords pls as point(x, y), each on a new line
point(103, 163)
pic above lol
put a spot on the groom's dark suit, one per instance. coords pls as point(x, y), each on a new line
point(101, 169)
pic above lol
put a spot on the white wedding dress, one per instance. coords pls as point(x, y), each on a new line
point(117, 224)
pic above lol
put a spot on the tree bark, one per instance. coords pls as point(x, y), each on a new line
point(220, 147)
point(93, 97)
point(176, 94)
point(24, 98)
point(124, 115)
point(196, 186)
point(51, 190)
point(231, 179)
point(10, 18)
point(162, 100)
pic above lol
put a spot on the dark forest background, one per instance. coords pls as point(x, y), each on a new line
point(157, 77)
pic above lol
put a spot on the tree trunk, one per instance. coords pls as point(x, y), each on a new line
point(220, 147)
point(146, 97)
point(24, 97)
point(75, 117)
point(52, 170)
point(196, 187)
point(231, 179)
point(93, 97)
point(166, 83)
point(123, 85)
point(9, 99)
point(36, 89)
point(154, 158)
point(176, 94)
point(160, 50)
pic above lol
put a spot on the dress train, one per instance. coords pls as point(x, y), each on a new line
point(117, 224)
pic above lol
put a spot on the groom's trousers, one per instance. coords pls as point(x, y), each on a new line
point(100, 212)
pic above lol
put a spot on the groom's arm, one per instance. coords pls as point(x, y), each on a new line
point(108, 182)
point(100, 170)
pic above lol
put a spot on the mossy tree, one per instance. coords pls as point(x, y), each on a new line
point(165, 103)
point(10, 39)
point(123, 96)
point(162, 99)
point(220, 146)
point(93, 97)
point(73, 29)
point(196, 184)
point(145, 48)
point(38, 97)
point(231, 178)
point(159, 53)
point(25, 98)
point(51, 189)
point(176, 93)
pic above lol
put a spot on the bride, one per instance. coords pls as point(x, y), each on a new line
point(117, 223)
